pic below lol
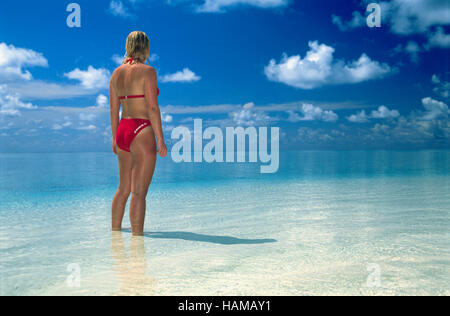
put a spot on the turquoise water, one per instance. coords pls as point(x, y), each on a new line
point(350, 222)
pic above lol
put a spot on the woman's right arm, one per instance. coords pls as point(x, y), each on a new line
point(114, 106)
point(151, 98)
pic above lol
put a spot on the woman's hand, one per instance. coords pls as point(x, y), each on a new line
point(162, 149)
point(114, 146)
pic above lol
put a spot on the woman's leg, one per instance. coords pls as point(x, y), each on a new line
point(143, 148)
point(123, 192)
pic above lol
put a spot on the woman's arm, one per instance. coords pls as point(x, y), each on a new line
point(114, 108)
point(151, 97)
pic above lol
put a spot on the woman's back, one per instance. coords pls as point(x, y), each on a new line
point(129, 80)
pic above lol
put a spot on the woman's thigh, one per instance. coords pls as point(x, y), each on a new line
point(125, 167)
point(143, 149)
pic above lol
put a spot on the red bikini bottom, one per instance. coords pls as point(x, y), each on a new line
point(127, 131)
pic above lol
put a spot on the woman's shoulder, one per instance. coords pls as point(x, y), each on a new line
point(149, 70)
point(147, 67)
point(119, 68)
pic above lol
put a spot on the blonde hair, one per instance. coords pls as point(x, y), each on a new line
point(137, 46)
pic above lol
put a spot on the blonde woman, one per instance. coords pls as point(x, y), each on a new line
point(134, 85)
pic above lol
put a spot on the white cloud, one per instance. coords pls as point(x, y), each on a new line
point(153, 57)
point(434, 109)
point(87, 116)
point(413, 49)
point(223, 5)
point(274, 107)
point(312, 113)
point(43, 90)
point(293, 117)
point(247, 116)
point(318, 68)
point(407, 18)
point(357, 21)
point(91, 78)
point(166, 118)
point(87, 127)
point(10, 103)
point(441, 88)
point(186, 75)
point(415, 16)
point(117, 8)
point(118, 60)
point(435, 79)
point(360, 117)
point(13, 60)
point(58, 127)
point(438, 39)
point(381, 113)
point(102, 101)
point(384, 113)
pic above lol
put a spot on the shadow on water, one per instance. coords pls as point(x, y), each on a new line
point(223, 240)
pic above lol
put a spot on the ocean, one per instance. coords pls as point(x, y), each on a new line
point(327, 223)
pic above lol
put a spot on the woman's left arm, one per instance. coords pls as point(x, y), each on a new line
point(114, 107)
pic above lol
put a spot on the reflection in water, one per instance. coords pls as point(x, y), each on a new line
point(131, 269)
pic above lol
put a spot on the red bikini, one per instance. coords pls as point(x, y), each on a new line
point(130, 127)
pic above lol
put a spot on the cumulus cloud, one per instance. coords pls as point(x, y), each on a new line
point(404, 17)
point(11, 104)
point(360, 117)
point(220, 6)
point(13, 60)
point(384, 113)
point(117, 59)
point(186, 75)
point(57, 126)
point(442, 87)
point(153, 57)
point(312, 113)
point(117, 8)
point(434, 109)
point(407, 17)
point(166, 118)
point(357, 21)
point(247, 116)
point(412, 49)
point(91, 78)
point(381, 113)
point(438, 39)
point(318, 68)
point(102, 101)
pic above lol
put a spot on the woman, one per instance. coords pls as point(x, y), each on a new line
point(134, 85)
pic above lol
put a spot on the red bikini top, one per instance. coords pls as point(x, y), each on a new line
point(130, 60)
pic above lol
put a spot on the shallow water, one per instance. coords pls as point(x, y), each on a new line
point(357, 222)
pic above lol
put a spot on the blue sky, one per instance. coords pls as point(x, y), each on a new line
point(313, 68)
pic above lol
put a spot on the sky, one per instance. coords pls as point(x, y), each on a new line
point(315, 69)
